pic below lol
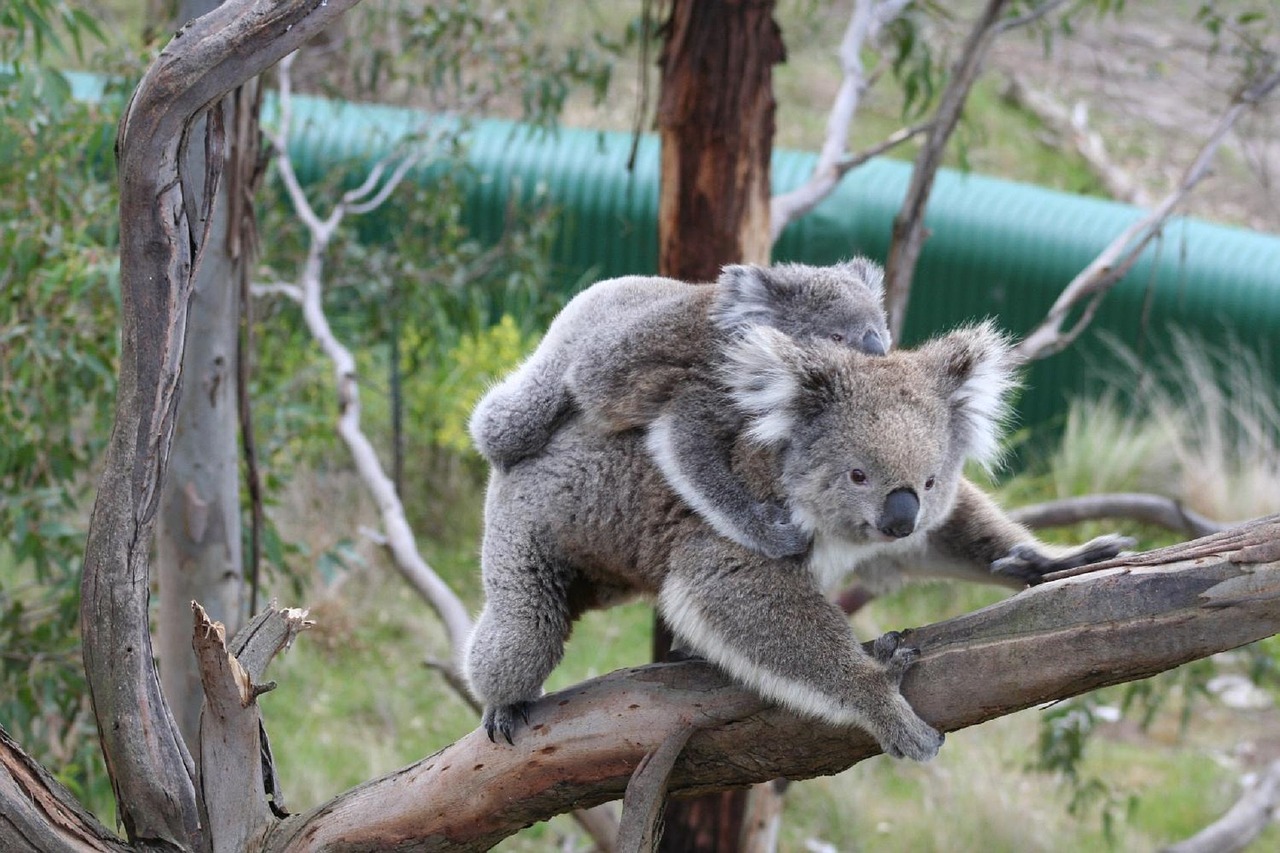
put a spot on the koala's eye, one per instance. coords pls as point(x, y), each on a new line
point(928, 484)
point(837, 337)
point(858, 476)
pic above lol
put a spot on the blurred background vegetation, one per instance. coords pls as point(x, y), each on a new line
point(435, 315)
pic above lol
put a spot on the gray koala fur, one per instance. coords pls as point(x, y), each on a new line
point(593, 520)
point(641, 352)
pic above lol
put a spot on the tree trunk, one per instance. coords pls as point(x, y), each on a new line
point(198, 526)
point(716, 122)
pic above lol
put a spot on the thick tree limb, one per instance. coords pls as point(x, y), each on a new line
point(1134, 506)
point(1145, 614)
point(1111, 264)
point(1245, 820)
point(150, 768)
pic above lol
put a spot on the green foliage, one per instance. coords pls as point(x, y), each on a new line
point(466, 56)
point(31, 28)
point(59, 295)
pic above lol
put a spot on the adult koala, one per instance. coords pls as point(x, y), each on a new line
point(868, 453)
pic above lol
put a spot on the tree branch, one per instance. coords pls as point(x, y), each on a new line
point(400, 539)
point(1140, 615)
point(908, 226)
point(868, 19)
point(236, 773)
point(1102, 273)
point(150, 768)
point(37, 813)
point(646, 796)
point(1073, 124)
point(1148, 509)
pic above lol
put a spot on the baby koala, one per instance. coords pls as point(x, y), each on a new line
point(647, 353)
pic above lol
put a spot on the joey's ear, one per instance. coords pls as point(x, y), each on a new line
point(773, 382)
point(976, 370)
point(870, 273)
point(747, 294)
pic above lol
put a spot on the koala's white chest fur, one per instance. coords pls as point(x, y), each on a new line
point(879, 565)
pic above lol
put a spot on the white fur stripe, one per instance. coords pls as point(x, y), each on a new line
point(662, 450)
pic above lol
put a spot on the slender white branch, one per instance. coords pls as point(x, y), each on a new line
point(398, 174)
point(400, 540)
point(868, 19)
point(1122, 253)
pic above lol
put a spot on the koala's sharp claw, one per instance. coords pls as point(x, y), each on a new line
point(501, 720)
point(885, 645)
point(1029, 564)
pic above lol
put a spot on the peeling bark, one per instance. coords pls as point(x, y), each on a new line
point(716, 122)
point(37, 813)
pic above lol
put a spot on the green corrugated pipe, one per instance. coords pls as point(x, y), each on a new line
point(997, 248)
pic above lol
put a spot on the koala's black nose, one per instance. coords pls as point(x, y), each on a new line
point(872, 344)
point(900, 511)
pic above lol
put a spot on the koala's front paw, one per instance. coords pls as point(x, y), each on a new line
point(893, 656)
point(502, 719)
point(776, 535)
point(1029, 564)
point(907, 736)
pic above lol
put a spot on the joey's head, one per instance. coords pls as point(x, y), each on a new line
point(872, 448)
point(842, 304)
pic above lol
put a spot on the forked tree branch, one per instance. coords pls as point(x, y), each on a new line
point(1111, 264)
point(1125, 620)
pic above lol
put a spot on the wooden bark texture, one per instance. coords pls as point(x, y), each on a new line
point(160, 237)
point(716, 123)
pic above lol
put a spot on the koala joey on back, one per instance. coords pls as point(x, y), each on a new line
point(642, 352)
point(868, 452)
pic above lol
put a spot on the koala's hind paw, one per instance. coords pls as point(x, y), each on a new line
point(895, 657)
point(776, 535)
point(502, 720)
point(1029, 564)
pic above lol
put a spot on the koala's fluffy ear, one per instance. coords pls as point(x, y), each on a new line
point(773, 382)
point(748, 295)
point(977, 370)
point(870, 273)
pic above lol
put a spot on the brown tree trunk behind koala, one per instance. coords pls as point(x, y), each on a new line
point(716, 122)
